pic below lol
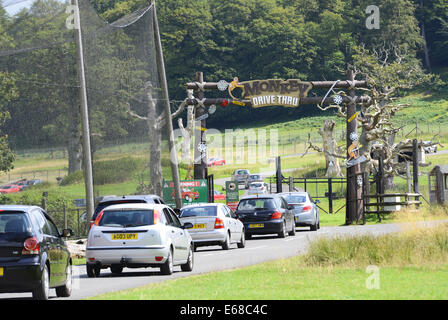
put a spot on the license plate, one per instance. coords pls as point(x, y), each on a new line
point(199, 226)
point(256, 225)
point(124, 236)
point(1, 272)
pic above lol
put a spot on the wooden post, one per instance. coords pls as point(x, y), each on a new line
point(354, 191)
point(415, 159)
point(200, 164)
point(279, 176)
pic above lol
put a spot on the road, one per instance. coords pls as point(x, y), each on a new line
point(210, 259)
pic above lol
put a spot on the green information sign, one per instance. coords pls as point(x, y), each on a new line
point(192, 191)
point(232, 194)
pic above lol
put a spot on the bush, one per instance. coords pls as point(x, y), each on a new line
point(73, 178)
point(116, 171)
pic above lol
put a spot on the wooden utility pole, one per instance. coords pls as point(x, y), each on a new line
point(354, 208)
point(87, 164)
point(200, 154)
point(166, 103)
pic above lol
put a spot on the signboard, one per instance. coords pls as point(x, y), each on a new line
point(272, 92)
point(192, 191)
point(232, 194)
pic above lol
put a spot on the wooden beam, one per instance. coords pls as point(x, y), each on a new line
point(344, 84)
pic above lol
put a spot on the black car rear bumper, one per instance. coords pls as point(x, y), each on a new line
point(21, 276)
point(269, 226)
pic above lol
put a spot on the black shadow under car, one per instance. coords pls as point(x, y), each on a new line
point(266, 214)
point(33, 254)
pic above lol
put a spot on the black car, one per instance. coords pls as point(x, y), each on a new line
point(33, 254)
point(111, 200)
point(266, 214)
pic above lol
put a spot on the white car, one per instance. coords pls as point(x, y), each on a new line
point(213, 224)
point(258, 188)
point(136, 235)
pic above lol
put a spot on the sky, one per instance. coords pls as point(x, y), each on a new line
point(14, 8)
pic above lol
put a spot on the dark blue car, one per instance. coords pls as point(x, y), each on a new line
point(33, 254)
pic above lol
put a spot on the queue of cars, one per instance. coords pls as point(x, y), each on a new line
point(138, 232)
point(18, 186)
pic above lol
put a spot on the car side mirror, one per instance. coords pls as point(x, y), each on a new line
point(316, 201)
point(187, 225)
point(290, 207)
point(67, 233)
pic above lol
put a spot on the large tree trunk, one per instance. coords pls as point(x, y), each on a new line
point(330, 148)
point(155, 138)
point(74, 147)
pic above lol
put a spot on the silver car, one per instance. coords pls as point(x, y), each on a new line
point(258, 188)
point(305, 210)
point(213, 224)
point(136, 235)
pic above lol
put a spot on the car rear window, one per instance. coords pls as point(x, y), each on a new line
point(13, 222)
point(103, 205)
point(252, 204)
point(295, 199)
point(126, 218)
point(256, 185)
point(199, 211)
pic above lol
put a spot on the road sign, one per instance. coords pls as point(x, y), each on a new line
point(192, 191)
point(232, 194)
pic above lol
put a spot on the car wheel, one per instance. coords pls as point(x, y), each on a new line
point(43, 290)
point(293, 231)
point(116, 269)
point(314, 227)
point(66, 290)
point(93, 271)
point(242, 242)
point(248, 236)
point(226, 244)
point(167, 267)
point(188, 266)
point(282, 234)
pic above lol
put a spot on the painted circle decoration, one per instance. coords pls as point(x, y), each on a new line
point(354, 136)
point(337, 99)
point(232, 186)
point(212, 109)
point(202, 147)
point(222, 85)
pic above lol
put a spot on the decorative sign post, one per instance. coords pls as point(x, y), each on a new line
point(289, 93)
point(232, 194)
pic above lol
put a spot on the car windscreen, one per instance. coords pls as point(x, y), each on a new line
point(252, 204)
point(256, 185)
point(255, 177)
point(13, 223)
point(106, 204)
point(295, 199)
point(205, 211)
point(127, 218)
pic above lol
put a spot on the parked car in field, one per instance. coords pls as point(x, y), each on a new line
point(111, 200)
point(430, 149)
point(213, 224)
point(218, 195)
point(266, 214)
point(33, 254)
point(242, 176)
point(138, 235)
point(34, 182)
point(305, 210)
point(215, 162)
point(258, 188)
point(10, 188)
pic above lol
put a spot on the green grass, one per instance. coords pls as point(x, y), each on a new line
point(412, 265)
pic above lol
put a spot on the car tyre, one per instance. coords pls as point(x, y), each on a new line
point(66, 290)
point(242, 242)
point(43, 290)
point(314, 227)
point(116, 269)
point(188, 266)
point(282, 234)
point(93, 271)
point(167, 267)
point(293, 231)
point(226, 244)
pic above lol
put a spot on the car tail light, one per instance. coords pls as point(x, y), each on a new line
point(276, 215)
point(219, 223)
point(98, 218)
point(306, 208)
point(156, 216)
point(30, 246)
point(159, 258)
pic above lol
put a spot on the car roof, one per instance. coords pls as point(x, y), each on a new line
point(270, 196)
point(17, 207)
point(295, 193)
point(129, 197)
point(133, 206)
